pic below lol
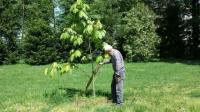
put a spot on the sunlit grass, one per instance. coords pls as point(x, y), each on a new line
point(149, 87)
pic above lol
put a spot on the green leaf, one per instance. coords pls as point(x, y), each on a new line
point(98, 25)
point(79, 2)
point(71, 58)
point(88, 29)
point(103, 33)
point(73, 26)
point(99, 34)
point(84, 23)
point(46, 71)
point(82, 14)
point(86, 7)
point(77, 53)
point(72, 38)
point(52, 73)
point(75, 43)
point(64, 36)
point(83, 58)
point(71, 31)
point(74, 9)
point(71, 51)
point(65, 69)
point(99, 59)
point(80, 41)
point(55, 65)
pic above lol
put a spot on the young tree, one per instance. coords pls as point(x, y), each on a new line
point(82, 33)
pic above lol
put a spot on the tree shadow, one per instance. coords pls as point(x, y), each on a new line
point(61, 95)
point(183, 61)
point(71, 92)
point(173, 61)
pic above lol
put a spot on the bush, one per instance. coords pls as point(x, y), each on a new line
point(12, 57)
point(9, 53)
point(139, 37)
point(39, 44)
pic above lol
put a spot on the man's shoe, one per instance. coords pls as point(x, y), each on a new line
point(119, 104)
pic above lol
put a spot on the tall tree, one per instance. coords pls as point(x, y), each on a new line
point(108, 12)
point(176, 24)
point(10, 27)
point(195, 28)
point(39, 41)
point(172, 28)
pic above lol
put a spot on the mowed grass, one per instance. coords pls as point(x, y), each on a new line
point(149, 87)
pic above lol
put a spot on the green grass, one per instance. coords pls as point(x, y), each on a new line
point(149, 87)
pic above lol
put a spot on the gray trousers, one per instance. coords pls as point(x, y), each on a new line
point(117, 89)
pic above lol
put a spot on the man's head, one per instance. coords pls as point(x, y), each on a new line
point(108, 49)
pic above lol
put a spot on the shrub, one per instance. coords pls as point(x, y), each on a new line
point(139, 34)
point(39, 44)
point(3, 51)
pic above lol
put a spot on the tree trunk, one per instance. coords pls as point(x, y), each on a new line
point(93, 71)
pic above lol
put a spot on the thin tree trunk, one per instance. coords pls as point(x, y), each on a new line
point(93, 78)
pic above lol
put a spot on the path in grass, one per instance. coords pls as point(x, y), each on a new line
point(151, 87)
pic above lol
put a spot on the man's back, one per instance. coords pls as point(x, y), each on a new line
point(117, 61)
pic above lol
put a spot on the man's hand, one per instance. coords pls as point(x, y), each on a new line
point(117, 78)
point(101, 63)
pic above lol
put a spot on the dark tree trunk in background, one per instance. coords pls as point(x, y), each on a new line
point(172, 45)
point(195, 50)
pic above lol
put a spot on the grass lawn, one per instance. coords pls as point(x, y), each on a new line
point(149, 87)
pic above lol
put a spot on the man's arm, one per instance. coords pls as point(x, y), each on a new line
point(105, 62)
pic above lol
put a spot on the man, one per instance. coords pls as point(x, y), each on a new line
point(119, 73)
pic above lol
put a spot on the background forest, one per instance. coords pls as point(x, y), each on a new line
point(143, 30)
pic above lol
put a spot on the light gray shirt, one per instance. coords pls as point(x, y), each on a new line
point(117, 61)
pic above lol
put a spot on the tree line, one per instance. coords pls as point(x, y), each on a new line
point(141, 29)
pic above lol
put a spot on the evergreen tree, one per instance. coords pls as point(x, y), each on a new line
point(39, 42)
point(9, 28)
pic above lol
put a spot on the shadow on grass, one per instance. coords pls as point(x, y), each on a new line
point(70, 92)
point(195, 94)
point(61, 95)
point(172, 60)
point(188, 62)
